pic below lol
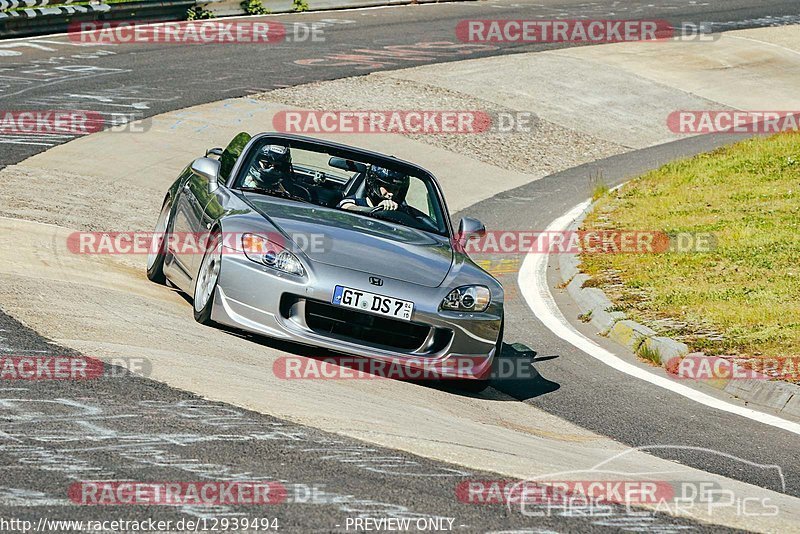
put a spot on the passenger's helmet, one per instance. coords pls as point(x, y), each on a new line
point(274, 164)
point(393, 181)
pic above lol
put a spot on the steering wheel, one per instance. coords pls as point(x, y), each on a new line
point(404, 214)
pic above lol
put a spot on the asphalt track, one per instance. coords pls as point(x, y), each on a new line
point(123, 427)
point(149, 80)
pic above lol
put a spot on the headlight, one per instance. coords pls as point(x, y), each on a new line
point(263, 251)
point(468, 299)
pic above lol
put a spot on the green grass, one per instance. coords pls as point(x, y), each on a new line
point(648, 354)
point(599, 187)
point(741, 298)
point(599, 191)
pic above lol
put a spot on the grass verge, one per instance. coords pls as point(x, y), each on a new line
point(741, 298)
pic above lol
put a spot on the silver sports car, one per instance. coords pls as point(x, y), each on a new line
point(332, 246)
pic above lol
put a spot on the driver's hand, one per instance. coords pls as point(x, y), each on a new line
point(387, 205)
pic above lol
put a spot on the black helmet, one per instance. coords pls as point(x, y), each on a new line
point(275, 164)
point(393, 181)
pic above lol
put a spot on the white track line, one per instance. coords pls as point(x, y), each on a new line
point(533, 284)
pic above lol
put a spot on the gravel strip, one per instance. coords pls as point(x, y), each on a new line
point(548, 148)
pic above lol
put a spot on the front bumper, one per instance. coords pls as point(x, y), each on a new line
point(257, 299)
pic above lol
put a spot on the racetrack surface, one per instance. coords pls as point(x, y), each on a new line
point(59, 73)
point(124, 427)
point(570, 385)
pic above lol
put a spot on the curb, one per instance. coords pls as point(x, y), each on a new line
point(597, 309)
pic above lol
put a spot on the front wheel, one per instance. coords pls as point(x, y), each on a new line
point(158, 246)
point(207, 279)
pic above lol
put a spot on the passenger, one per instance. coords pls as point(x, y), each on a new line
point(273, 172)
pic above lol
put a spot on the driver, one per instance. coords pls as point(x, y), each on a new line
point(384, 189)
point(273, 172)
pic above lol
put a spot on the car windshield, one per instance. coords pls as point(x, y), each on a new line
point(362, 188)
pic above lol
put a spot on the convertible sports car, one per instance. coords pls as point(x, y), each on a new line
point(297, 249)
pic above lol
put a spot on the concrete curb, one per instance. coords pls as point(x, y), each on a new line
point(597, 309)
point(632, 335)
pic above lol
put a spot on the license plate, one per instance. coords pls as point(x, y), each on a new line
point(372, 303)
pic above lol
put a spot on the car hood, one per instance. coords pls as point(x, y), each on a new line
point(343, 239)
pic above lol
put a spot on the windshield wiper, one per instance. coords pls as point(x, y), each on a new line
point(270, 192)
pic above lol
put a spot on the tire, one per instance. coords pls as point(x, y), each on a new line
point(207, 279)
point(158, 251)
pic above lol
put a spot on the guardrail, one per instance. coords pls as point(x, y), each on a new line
point(13, 4)
point(23, 18)
point(58, 18)
point(226, 8)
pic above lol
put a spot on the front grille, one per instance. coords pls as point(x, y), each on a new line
point(365, 328)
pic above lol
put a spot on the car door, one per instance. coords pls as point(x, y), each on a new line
point(189, 224)
point(198, 208)
point(212, 207)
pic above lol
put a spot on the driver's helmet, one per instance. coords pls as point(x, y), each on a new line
point(393, 181)
point(273, 164)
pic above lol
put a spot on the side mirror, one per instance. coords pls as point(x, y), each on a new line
point(215, 152)
point(209, 169)
point(468, 229)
